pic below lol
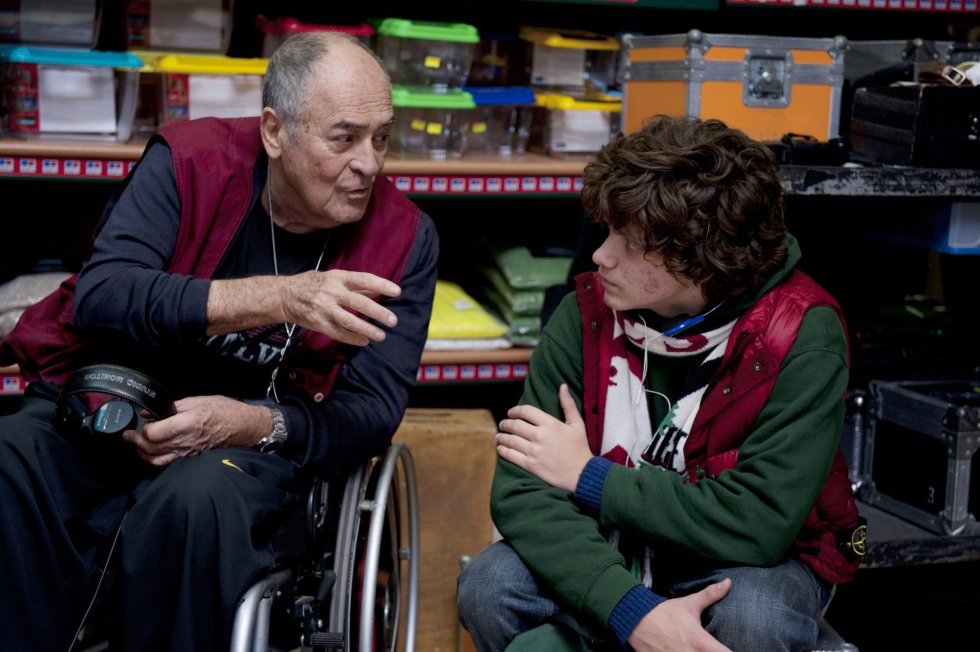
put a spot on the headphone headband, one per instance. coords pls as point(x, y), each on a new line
point(132, 389)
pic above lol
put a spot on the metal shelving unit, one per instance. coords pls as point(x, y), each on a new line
point(528, 175)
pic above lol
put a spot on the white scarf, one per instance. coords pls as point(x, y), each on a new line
point(627, 434)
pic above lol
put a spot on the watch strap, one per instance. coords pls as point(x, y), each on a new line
point(272, 442)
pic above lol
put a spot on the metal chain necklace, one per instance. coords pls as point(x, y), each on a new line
point(290, 328)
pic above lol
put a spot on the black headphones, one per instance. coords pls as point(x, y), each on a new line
point(135, 392)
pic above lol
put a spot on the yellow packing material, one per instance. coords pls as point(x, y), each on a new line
point(457, 315)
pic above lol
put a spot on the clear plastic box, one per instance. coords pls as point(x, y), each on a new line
point(571, 61)
point(69, 93)
point(178, 87)
point(501, 122)
point(498, 61)
point(430, 125)
point(437, 56)
point(568, 125)
point(275, 31)
point(50, 22)
point(184, 25)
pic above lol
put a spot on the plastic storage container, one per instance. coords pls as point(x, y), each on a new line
point(51, 22)
point(433, 125)
point(89, 94)
point(185, 86)
point(275, 31)
point(498, 61)
point(501, 122)
point(185, 25)
point(567, 125)
point(434, 55)
point(571, 61)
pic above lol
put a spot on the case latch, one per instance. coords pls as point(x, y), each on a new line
point(767, 78)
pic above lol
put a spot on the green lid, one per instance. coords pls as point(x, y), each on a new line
point(460, 32)
point(423, 99)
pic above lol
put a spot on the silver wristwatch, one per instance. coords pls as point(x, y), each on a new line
point(275, 439)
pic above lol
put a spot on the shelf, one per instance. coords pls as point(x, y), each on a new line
point(11, 382)
point(879, 181)
point(893, 541)
point(474, 366)
point(526, 174)
point(499, 365)
point(52, 159)
point(932, 6)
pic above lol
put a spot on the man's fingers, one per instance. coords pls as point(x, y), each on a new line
point(529, 413)
point(513, 456)
point(372, 310)
point(572, 417)
point(712, 594)
point(367, 283)
point(348, 328)
point(517, 427)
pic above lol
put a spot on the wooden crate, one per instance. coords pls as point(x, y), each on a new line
point(454, 455)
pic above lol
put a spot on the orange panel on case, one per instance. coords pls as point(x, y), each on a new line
point(807, 112)
point(646, 99)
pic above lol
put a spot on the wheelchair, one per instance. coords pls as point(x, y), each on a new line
point(348, 592)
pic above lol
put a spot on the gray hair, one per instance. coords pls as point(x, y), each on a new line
point(290, 73)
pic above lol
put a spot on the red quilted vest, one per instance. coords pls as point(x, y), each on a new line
point(760, 341)
point(214, 163)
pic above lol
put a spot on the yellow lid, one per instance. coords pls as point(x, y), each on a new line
point(569, 103)
point(569, 38)
point(200, 63)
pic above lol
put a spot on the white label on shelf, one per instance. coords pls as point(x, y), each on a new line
point(224, 96)
point(554, 66)
point(76, 99)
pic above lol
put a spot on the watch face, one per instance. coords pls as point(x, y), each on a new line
point(270, 445)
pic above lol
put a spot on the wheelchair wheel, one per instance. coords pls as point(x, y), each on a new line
point(370, 557)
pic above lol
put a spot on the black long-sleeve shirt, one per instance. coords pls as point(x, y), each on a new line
point(155, 321)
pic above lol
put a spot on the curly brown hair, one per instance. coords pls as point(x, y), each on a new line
point(704, 196)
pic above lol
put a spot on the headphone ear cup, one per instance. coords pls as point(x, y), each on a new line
point(70, 414)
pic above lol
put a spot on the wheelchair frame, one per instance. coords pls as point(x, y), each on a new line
point(356, 559)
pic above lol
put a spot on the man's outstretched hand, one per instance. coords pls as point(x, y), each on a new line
point(675, 625)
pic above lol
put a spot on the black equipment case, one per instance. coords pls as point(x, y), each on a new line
point(921, 463)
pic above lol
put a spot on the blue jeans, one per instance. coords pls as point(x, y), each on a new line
point(768, 609)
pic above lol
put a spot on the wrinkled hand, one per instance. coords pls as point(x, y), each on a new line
point(555, 451)
point(675, 625)
point(200, 423)
point(323, 301)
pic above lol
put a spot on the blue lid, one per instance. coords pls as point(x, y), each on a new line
point(492, 95)
point(58, 57)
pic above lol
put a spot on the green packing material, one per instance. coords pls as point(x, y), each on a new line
point(522, 330)
point(519, 302)
point(517, 324)
point(524, 271)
